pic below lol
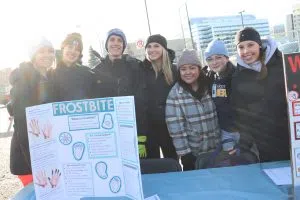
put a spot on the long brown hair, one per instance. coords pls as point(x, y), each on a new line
point(264, 70)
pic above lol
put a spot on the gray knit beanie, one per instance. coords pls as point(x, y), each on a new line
point(189, 57)
point(38, 44)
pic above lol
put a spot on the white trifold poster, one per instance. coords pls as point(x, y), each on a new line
point(84, 148)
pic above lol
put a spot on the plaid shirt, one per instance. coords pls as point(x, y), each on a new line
point(193, 124)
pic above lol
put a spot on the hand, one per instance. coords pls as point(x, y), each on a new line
point(47, 131)
point(55, 178)
point(34, 127)
point(142, 151)
point(142, 146)
point(41, 179)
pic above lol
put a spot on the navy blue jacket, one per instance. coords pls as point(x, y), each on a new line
point(220, 90)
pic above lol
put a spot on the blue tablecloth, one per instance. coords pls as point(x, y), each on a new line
point(241, 182)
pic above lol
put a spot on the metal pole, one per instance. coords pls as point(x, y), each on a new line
point(182, 29)
point(147, 17)
point(187, 13)
point(241, 13)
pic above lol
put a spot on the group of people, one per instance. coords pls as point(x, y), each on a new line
point(185, 110)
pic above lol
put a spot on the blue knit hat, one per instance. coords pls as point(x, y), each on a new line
point(117, 32)
point(216, 47)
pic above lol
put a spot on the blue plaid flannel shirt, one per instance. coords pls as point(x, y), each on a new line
point(192, 124)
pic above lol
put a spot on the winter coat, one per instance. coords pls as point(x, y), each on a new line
point(220, 91)
point(72, 83)
point(192, 124)
point(157, 92)
point(29, 88)
point(260, 106)
point(123, 77)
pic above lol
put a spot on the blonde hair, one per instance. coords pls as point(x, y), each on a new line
point(166, 67)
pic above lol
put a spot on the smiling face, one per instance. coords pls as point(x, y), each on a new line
point(217, 63)
point(44, 57)
point(154, 51)
point(71, 54)
point(189, 74)
point(115, 46)
point(248, 51)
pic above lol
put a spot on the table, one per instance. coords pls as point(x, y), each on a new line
point(240, 182)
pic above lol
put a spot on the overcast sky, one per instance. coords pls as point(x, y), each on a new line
point(23, 20)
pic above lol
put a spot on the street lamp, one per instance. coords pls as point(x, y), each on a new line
point(147, 17)
point(241, 13)
point(189, 25)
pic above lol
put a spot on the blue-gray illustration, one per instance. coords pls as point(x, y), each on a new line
point(107, 122)
point(65, 138)
point(115, 184)
point(78, 150)
point(101, 169)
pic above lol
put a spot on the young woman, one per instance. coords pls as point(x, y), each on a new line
point(30, 86)
point(160, 77)
point(258, 96)
point(72, 81)
point(191, 114)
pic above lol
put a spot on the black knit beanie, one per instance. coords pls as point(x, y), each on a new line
point(158, 39)
point(248, 33)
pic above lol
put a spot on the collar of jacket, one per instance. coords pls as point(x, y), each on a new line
point(228, 71)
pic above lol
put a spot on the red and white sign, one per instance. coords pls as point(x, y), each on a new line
point(292, 87)
point(140, 44)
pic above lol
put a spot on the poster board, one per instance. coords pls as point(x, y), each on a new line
point(85, 148)
point(292, 85)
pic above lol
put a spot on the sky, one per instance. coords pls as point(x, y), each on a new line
point(22, 21)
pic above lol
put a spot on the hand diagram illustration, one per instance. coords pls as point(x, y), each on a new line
point(55, 178)
point(34, 127)
point(41, 179)
point(47, 131)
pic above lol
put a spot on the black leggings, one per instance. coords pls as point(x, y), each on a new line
point(159, 137)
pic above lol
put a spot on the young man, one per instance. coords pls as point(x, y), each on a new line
point(119, 74)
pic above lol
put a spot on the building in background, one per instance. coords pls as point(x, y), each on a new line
point(4, 85)
point(205, 29)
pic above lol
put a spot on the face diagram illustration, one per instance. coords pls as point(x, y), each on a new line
point(78, 150)
point(101, 170)
point(65, 138)
point(115, 184)
point(107, 122)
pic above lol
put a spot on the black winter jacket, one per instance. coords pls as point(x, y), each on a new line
point(29, 88)
point(72, 83)
point(157, 92)
point(123, 77)
point(261, 109)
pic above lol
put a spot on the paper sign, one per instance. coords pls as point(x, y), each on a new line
point(280, 176)
point(85, 148)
